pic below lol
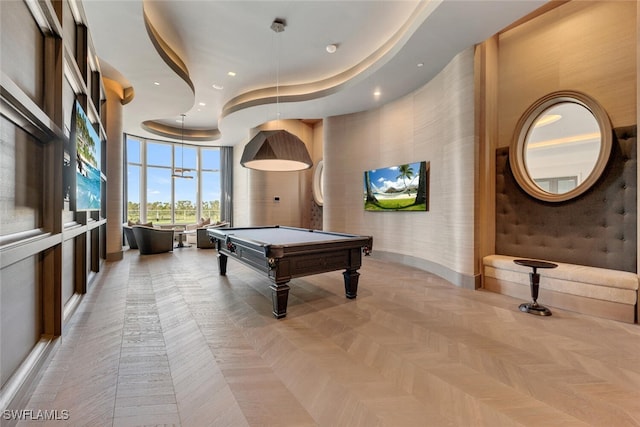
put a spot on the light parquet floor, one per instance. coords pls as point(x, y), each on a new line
point(165, 340)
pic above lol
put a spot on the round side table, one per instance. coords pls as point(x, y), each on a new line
point(534, 278)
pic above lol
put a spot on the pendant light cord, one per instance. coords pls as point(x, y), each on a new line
point(278, 26)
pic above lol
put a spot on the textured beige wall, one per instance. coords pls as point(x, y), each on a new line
point(317, 152)
point(20, 316)
point(115, 169)
point(436, 124)
point(22, 49)
point(241, 206)
point(255, 191)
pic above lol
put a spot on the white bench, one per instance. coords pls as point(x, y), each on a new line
point(610, 294)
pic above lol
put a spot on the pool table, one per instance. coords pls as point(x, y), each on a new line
point(287, 252)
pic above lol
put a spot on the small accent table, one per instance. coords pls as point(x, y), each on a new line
point(180, 234)
point(534, 307)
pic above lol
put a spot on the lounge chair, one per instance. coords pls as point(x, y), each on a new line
point(153, 240)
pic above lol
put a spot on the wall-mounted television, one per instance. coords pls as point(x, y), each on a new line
point(88, 151)
point(397, 188)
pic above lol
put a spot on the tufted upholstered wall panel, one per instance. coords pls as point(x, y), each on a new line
point(316, 216)
point(597, 229)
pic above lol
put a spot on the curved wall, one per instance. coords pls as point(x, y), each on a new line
point(436, 124)
point(115, 169)
point(255, 192)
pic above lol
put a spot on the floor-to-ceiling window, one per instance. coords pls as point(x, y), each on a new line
point(185, 185)
point(158, 182)
point(134, 174)
point(210, 181)
point(171, 183)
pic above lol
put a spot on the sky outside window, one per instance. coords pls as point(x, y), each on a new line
point(158, 154)
point(211, 159)
point(133, 151)
point(189, 158)
point(210, 186)
point(158, 185)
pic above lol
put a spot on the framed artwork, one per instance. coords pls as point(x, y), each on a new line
point(397, 188)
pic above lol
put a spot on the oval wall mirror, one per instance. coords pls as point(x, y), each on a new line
point(561, 146)
point(318, 188)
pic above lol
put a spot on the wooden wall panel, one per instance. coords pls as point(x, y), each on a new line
point(20, 314)
point(585, 46)
point(486, 117)
point(436, 124)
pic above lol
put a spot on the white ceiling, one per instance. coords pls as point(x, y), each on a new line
point(380, 44)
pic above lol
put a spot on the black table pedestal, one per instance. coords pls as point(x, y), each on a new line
point(534, 280)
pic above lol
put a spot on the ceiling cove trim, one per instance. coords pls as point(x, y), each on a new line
point(333, 84)
point(126, 94)
point(129, 94)
point(196, 135)
point(167, 54)
point(171, 58)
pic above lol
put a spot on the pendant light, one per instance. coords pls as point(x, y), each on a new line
point(179, 172)
point(276, 150)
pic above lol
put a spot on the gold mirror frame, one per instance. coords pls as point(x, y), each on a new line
point(523, 129)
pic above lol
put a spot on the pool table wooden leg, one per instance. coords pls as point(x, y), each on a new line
point(222, 264)
point(351, 283)
point(279, 297)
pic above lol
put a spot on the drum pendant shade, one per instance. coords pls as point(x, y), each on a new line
point(276, 150)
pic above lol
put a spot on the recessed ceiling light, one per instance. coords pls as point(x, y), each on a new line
point(420, 64)
point(231, 73)
point(377, 92)
point(156, 83)
point(331, 48)
point(202, 104)
point(218, 87)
